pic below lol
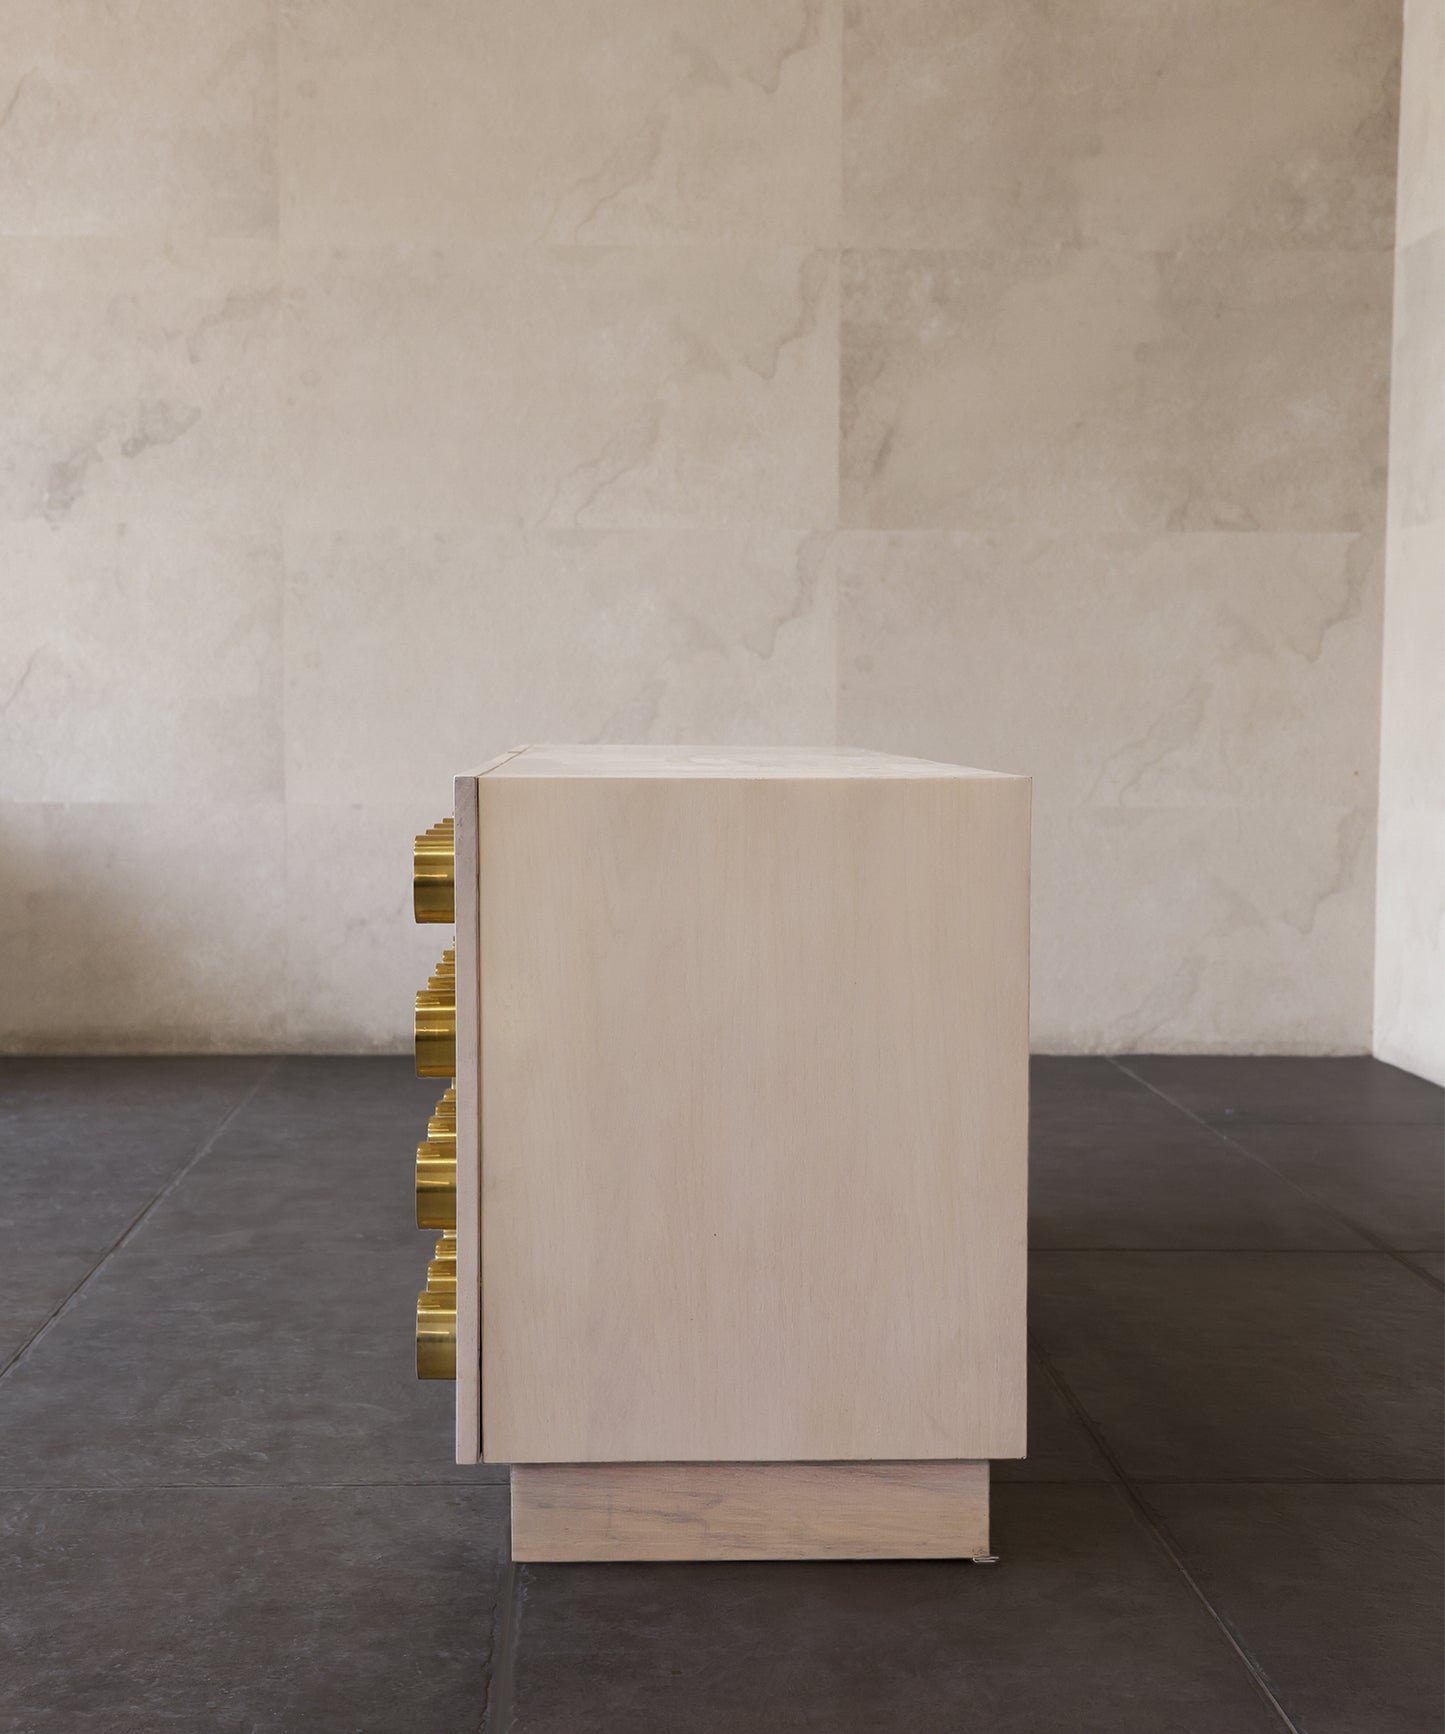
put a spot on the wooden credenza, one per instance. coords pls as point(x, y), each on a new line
point(740, 1048)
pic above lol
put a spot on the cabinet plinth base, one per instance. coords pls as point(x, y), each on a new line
point(936, 1509)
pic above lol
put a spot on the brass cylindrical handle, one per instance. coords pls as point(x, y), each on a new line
point(433, 874)
point(436, 1156)
point(441, 1273)
point(436, 1182)
point(436, 1335)
point(436, 1024)
point(436, 1315)
point(436, 1034)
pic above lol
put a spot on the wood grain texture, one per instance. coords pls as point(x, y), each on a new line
point(754, 1131)
point(717, 1511)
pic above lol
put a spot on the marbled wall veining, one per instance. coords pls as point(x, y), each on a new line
point(1410, 917)
point(382, 385)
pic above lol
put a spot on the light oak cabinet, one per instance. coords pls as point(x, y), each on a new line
point(741, 1075)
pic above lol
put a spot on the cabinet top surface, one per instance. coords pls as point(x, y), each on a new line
point(744, 762)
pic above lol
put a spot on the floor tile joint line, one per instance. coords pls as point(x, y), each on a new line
point(1319, 1203)
point(207, 1145)
point(497, 1712)
point(1162, 1537)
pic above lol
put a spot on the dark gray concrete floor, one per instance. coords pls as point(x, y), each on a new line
point(225, 1504)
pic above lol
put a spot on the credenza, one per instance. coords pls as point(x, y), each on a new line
point(730, 1166)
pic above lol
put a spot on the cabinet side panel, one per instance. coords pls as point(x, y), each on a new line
point(466, 886)
point(756, 1061)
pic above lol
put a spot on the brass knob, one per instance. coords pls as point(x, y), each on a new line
point(436, 1025)
point(436, 1335)
point(433, 874)
point(436, 1182)
point(436, 1035)
point(443, 1121)
point(441, 1273)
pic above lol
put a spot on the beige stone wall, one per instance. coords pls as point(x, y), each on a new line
point(1410, 920)
point(382, 384)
